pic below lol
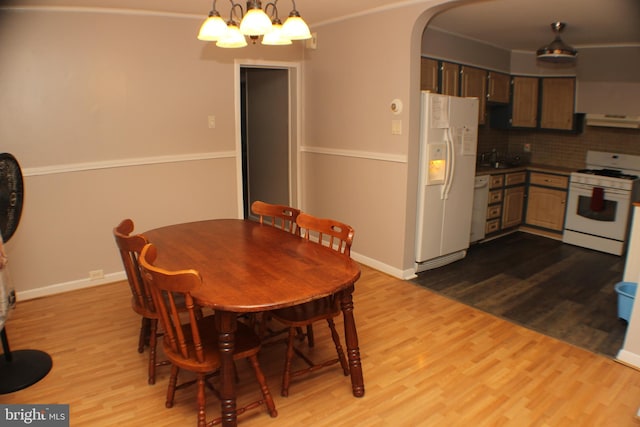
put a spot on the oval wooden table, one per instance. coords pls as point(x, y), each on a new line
point(249, 267)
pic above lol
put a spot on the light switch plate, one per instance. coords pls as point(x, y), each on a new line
point(396, 127)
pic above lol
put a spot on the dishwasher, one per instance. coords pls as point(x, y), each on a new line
point(479, 215)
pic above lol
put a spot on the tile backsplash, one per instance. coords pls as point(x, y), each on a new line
point(560, 148)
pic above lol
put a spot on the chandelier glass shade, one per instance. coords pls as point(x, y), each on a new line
point(275, 36)
point(232, 38)
point(254, 22)
point(295, 28)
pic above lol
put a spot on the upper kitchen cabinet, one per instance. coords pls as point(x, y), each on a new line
point(474, 84)
point(524, 107)
point(498, 87)
point(450, 78)
point(429, 75)
point(439, 76)
point(545, 103)
point(557, 103)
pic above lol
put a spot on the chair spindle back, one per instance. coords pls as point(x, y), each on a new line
point(170, 290)
point(327, 232)
point(279, 216)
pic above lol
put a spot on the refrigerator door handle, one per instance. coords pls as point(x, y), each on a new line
point(450, 166)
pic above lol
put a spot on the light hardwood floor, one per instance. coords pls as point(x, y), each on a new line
point(428, 361)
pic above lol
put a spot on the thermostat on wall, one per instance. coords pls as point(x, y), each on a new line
point(396, 106)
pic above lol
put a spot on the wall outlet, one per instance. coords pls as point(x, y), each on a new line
point(526, 148)
point(211, 121)
point(96, 274)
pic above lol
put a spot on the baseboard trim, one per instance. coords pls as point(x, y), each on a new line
point(118, 276)
point(385, 268)
point(629, 358)
point(68, 286)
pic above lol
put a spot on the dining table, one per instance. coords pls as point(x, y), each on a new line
point(248, 267)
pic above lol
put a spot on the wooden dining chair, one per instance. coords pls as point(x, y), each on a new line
point(279, 216)
point(191, 341)
point(284, 218)
point(336, 236)
point(130, 247)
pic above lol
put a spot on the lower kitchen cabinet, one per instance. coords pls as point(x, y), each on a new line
point(513, 203)
point(547, 201)
point(506, 201)
point(513, 206)
point(537, 204)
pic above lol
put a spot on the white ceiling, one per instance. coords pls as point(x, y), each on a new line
point(525, 24)
point(510, 24)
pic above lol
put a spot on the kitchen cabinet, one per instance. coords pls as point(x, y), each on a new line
point(524, 107)
point(513, 203)
point(498, 87)
point(513, 206)
point(474, 84)
point(494, 203)
point(450, 79)
point(547, 201)
point(429, 74)
point(506, 201)
point(526, 102)
point(557, 103)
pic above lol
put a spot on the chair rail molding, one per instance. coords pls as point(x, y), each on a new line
point(111, 164)
point(370, 155)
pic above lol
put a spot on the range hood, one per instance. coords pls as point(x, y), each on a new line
point(613, 121)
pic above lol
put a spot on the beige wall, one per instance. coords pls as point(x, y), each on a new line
point(439, 44)
point(355, 169)
point(107, 114)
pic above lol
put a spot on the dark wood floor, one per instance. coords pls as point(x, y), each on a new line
point(557, 289)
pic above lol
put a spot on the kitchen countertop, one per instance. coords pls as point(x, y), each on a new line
point(483, 170)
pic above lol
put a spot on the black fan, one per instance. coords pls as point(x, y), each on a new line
point(22, 368)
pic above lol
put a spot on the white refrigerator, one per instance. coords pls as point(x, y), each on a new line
point(448, 145)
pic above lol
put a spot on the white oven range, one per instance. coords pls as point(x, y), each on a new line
point(599, 203)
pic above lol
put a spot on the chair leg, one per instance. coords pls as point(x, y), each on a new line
point(144, 326)
point(171, 388)
point(153, 341)
point(266, 394)
point(336, 341)
point(310, 338)
point(286, 376)
point(202, 419)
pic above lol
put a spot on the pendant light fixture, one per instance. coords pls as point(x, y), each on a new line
point(275, 37)
point(232, 38)
point(557, 51)
point(255, 22)
point(294, 27)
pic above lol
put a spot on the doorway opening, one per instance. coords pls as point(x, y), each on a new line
point(267, 138)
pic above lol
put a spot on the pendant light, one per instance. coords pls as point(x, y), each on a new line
point(294, 27)
point(213, 27)
point(232, 38)
point(557, 51)
point(256, 22)
point(276, 37)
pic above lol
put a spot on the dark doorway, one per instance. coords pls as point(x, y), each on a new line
point(265, 136)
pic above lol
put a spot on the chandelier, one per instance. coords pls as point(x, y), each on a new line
point(253, 23)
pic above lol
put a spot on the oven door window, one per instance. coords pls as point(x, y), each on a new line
point(607, 213)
